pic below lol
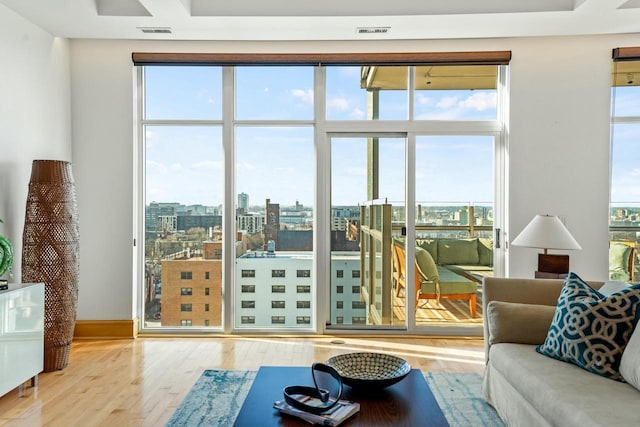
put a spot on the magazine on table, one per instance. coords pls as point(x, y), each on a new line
point(333, 417)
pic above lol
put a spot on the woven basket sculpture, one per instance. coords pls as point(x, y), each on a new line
point(50, 254)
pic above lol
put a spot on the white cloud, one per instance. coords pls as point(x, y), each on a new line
point(305, 96)
point(423, 100)
point(245, 166)
point(176, 167)
point(207, 165)
point(266, 89)
point(336, 103)
point(149, 137)
point(447, 102)
point(357, 113)
point(480, 101)
point(154, 167)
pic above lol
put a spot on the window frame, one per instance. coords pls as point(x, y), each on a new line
point(322, 130)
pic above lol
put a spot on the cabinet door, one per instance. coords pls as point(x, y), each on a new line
point(21, 334)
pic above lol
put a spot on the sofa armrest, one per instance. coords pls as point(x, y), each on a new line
point(517, 290)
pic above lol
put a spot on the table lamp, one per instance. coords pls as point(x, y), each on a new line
point(548, 232)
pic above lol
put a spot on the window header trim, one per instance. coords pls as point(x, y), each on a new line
point(394, 58)
point(626, 54)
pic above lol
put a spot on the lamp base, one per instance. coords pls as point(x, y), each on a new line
point(558, 264)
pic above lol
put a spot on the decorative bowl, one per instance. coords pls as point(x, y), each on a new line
point(371, 370)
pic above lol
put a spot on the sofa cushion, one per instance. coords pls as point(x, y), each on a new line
point(485, 251)
point(591, 330)
point(630, 363)
point(518, 323)
point(431, 245)
point(564, 394)
point(458, 251)
point(426, 264)
point(619, 261)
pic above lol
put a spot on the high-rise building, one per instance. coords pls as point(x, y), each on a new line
point(271, 222)
point(275, 290)
point(243, 202)
point(251, 223)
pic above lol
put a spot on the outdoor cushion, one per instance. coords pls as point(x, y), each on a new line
point(431, 245)
point(426, 264)
point(619, 261)
point(458, 251)
point(452, 283)
point(485, 251)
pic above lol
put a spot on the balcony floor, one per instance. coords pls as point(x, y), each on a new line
point(447, 312)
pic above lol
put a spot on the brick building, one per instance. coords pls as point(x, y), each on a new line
point(192, 289)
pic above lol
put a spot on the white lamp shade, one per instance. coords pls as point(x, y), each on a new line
point(547, 232)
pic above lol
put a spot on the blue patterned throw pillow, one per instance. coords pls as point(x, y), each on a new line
point(590, 329)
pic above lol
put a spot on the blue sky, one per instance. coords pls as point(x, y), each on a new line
point(625, 174)
point(184, 163)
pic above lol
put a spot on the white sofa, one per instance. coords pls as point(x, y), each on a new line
point(528, 389)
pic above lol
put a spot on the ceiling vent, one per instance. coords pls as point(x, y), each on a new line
point(155, 30)
point(372, 30)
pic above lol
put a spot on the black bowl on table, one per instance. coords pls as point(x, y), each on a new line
point(369, 370)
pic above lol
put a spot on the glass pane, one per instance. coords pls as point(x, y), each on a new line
point(367, 93)
point(274, 264)
point(367, 193)
point(274, 93)
point(626, 88)
point(191, 93)
point(454, 226)
point(456, 92)
point(627, 101)
point(183, 226)
point(625, 198)
point(624, 221)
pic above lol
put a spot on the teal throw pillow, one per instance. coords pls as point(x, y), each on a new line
point(591, 330)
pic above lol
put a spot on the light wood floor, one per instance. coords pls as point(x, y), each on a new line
point(141, 382)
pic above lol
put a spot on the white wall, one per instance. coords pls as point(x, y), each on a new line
point(35, 115)
point(558, 156)
point(559, 144)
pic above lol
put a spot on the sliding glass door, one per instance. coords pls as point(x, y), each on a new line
point(454, 226)
point(367, 209)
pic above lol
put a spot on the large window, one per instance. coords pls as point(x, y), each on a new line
point(624, 217)
point(259, 150)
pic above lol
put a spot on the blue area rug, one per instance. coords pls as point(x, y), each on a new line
point(217, 396)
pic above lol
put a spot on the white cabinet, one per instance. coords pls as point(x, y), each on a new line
point(21, 335)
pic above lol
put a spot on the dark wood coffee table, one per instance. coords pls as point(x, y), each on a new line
point(406, 403)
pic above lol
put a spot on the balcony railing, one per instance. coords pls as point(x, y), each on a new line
point(376, 233)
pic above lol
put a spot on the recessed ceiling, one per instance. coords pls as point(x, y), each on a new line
point(375, 7)
point(327, 19)
point(121, 8)
point(630, 4)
